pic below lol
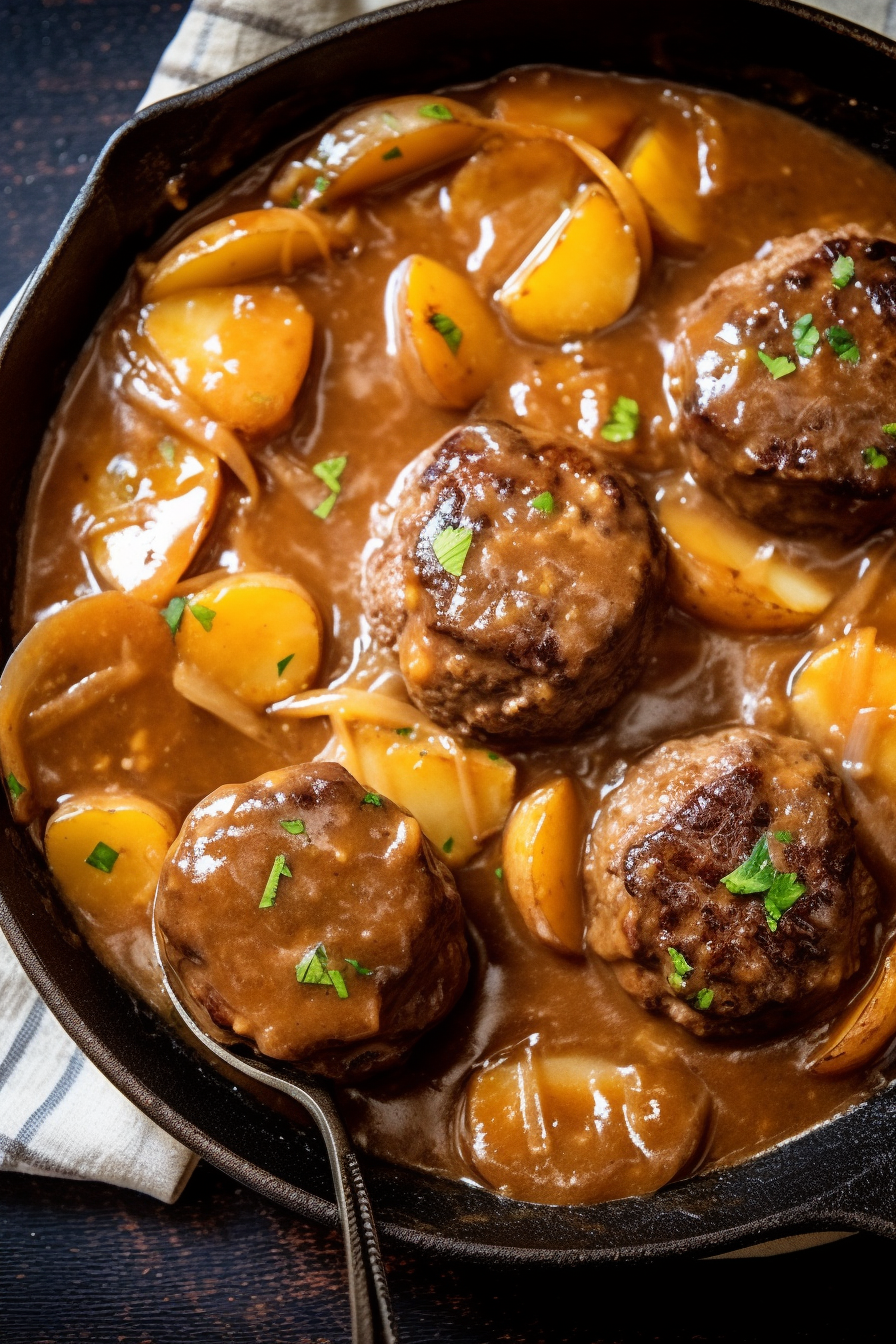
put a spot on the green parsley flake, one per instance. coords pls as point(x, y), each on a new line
point(15, 788)
point(173, 614)
point(889, 429)
point(784, 837)
point(781, 895)
point(805, 336)
point(284, 664)
point(279, 869)
point(313, 970)
point(758, 875)
point(702, 999)
point(544, 502)
point(499, 874)
point(448, 329)
point(493, 756)
point(296, 827)
point(681, 968)
point(391, 121)
point(325, 507)
point(393, 153)
point(293, 203)
point(204, 615)
point(372, 800)
point(436, 112)
point(843, 344)
point(166, 448)
point(842, 271)
point(102, 857)
point(779, 367)
point(451, 546)
point(362, 970)
point(404, 732)
point(330, 471)
point(321, 184)
point(448, 845)
point(873, 457)
point(623, 423)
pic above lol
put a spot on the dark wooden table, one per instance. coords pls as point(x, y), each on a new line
point(87, 1262)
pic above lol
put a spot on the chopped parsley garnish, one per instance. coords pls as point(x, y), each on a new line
point(15, 788)
point(173, 614)
point(805, 336)
point(102, 857)
point(325, 507)
point(623, 423)
point(436, 112)
point(448, 329)
point(293, 203)
point(781, 895)
point(681, 968)
point(543, 502)
point(393, 153)
point(784, 837)
point(843, 344)
point(499, 874)
point(391, 121)
point(313, 970)
point(758, 875)
point(702, 999)
point(372, 800)
point(321, 184)
point(873, 457)
point(296, 827)
point(448, 845)
point(404, 732)
point(493, 756)
point(330, 471)
point(778, 367)
point(204, 615)
point(284, 664)
point(842, 271)
point(451, 546)
point(362, 970)
point(279, 869)
point(889, 429)
point(166, 448)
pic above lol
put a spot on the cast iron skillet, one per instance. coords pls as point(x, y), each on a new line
point(839, 1175)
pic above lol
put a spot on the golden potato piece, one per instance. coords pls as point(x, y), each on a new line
point(867, 1027)
point(447, 338)
point(537, 1121)
point(663, 164)
point(582, 276)
point(541, 854)
point(257, 635)
point(601, 118)
point(153, 503)
point(243, 247)
point(240, 353)
point(727, 572)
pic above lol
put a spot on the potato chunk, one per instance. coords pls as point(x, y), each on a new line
point(582, 276)
point(541, 854)
point(863, 1032)
point(601, 117)
point(447, 338)
point(664, 164)
point(257, 635)
point(537, 1122)
point(728, 572)
point(240, 353)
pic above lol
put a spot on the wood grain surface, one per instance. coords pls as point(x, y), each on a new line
point(87, 1262)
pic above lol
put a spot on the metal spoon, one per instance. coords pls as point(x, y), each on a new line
point(368, 1291)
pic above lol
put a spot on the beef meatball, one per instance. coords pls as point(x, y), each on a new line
point(792, 452)
point(313, 919)
point(685, 818)
point(550, 616)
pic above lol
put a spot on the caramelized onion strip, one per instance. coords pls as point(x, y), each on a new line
point(223, 704)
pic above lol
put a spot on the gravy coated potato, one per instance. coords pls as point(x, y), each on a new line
point(447, 338)
point(663, 164)
point(582, 276)
point(537, 1118)
point(241, 353)
point(257, 635)
point(541, 855)
point(601, 119)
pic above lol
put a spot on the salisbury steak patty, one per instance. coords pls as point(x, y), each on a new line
point(685, 818)
point(792, 452)
point(256, 951)
point(560, 593)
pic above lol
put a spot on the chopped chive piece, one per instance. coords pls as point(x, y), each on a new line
point(451, 547)
point(338, 983)
point(624, 420)
point(279, 869)
point(843, 344)
point(325, 507)
point(393, 153)
point(313, 970)
point(448, 845)
point(391, 121)
point(372, 799)
point(204, 615)
point(784, 891)
point(874, 458)
point(493, 756)
point(681, 968)
point(404, 732)
point(805, 336)
point(293, 203)
point(784, 837)
point(362, 970)
point(544, 502)
point(842, 271)
point(448, 330)
point(102, 857)
point(499, 874)
point(284, 664)
point(889, 429)
point(166, 448)
point(778, 367)
point(702, 999)
point(173, 614)
point(321, 184)
point(296, 827)
point(330, 471)
point(15, 788)
point(436, 112)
